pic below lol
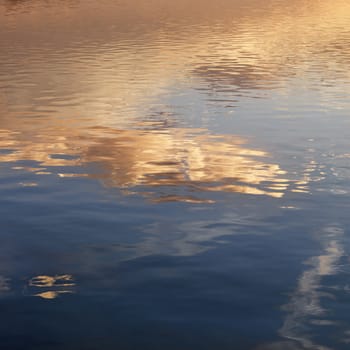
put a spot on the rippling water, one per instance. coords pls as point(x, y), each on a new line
point(174, 175)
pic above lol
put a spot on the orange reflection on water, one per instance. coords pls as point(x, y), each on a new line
point(79, 95)
point(116, 62)
point(51, 294)
point(171, 158)
point(50, 287)
point(51, 281)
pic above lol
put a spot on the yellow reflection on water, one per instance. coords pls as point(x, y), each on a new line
point(50, 287)
point(50, 281)
point(115, 62)
point(77, 78)
point(169, 157)
point(51, 294)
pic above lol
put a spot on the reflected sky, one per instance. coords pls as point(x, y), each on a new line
point(148, 82)
point(95, 69)
point(151, 156)
point(174, 170)
point(305, 305)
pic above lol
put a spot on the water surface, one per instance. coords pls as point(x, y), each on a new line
point(174, 175)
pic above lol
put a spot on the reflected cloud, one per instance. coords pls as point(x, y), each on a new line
point(167, 164)
point(50, 287)
point(51, 294)
point(277, 51)
point(83, 95)
point(185, 158)
point(305, 309)
point(119, 70)
point(51, 281)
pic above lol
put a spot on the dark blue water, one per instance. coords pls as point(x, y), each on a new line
point(174, 176)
